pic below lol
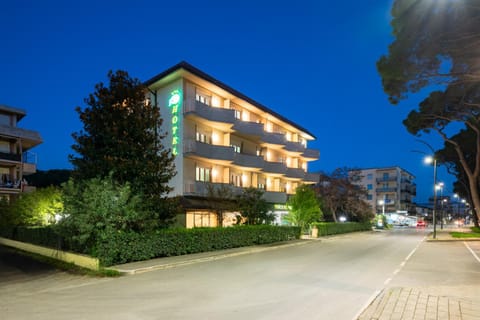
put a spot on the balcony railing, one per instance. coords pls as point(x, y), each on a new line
point(311, 154)
point(274, 167)
point(248, 128)
point(274, 138)
point(209, 113)
point(384, 179)
point(208, 151)
point(247, 160)
point(295, 173)
point(312, 177)
point(10, 156)
point(386, 190)
point(294, 146)
point(275, 197)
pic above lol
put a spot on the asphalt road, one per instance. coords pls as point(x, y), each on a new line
point(329, 279)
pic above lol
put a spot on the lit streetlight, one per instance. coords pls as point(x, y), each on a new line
point(430, 160)
point(440, 187)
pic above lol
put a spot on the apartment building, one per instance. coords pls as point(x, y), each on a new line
point(390, 190)
point(16, 160)
point(223, 138)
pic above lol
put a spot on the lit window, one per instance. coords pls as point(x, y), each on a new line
point(203, 174)
point(369, 187)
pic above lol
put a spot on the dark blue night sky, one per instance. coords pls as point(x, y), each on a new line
point(311, 61)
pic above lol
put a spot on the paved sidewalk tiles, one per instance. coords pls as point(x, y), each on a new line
point(413, 303)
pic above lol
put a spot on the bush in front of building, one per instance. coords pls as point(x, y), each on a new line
point(331, 228)
point(123, 247)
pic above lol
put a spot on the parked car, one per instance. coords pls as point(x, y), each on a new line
point(421, 224)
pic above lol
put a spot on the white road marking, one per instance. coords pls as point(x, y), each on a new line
point(471, 251)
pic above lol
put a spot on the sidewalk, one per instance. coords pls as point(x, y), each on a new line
point(435, 302)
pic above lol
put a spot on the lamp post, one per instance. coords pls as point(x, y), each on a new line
point(440, 186)
point(434, 161)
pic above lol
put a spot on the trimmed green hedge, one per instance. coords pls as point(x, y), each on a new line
point(330, 228)
point(127, 247)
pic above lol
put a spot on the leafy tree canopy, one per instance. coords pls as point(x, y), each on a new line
point(121, 137)
point(303, 207)
point(46, 178)
point(254, 208)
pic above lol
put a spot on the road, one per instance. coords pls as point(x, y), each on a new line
point(329, 279)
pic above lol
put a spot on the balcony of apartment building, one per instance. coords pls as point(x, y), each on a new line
point(202, 189)
point(248, 129)
point(198, 109)
point(273, 138)
point(386, 190)
point(276, 168)
point(311, 154)
point(248, 161)
point(208, 151)
point(311, 177)
point(295, 147)
point(386, 179)
point(295, 173)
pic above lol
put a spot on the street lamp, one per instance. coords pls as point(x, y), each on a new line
point(430, 160)
point(440, 187)
point(382, 203)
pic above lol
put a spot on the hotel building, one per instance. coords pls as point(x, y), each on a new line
point(220, 137)
point(16, 161)
point(390, 190)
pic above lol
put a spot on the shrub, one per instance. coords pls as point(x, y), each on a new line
point(330, 228)
point(122, 247)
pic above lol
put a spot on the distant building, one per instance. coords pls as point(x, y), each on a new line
point(16, 161)
point(390, 189)
point(221, 137)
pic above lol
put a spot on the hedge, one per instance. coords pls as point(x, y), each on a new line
point(120, 247)
point(330, 228)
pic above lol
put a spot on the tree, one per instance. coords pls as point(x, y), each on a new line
point(254, 208)
point(98, 207)
point(340, 194)
point(122, 138)
point(303, 207)
point(54, 177)
point(221, 200)
point(436, 44)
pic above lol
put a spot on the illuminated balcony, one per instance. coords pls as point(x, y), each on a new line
point(295, 173)
point(273, 138)
point(311, 154)
point(250, 129)
point(208, 151)
point(196, 108)
point(294, 146)
point(311, 177)
point(249, 161)
point(275, 167)
point(275, 197)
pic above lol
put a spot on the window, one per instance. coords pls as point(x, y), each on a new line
point(203, 174)
point(236, 148)
point(369, 176)
point(202, 98)
point(369, 186)
point(385, 176)
point(238, 114)
point(369, 197)
point(202, 137)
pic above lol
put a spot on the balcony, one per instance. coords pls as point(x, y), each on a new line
point(247, 160)
point(29, 168)
point(295, 173)
point(273, 138)
point(29, 138)
point(275, 167)
point(6, 156)
point(200, 188)
point(208, 151)
point(294, 146)
point(210, 113)
point(386, 190)
point(384, 179)
point(250, 129)
point(311, 154)
point(275, 197)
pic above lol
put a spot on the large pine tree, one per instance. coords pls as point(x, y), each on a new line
point(122, 138)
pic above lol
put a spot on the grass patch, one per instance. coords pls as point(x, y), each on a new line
point(474, 233)
point(68, 266)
